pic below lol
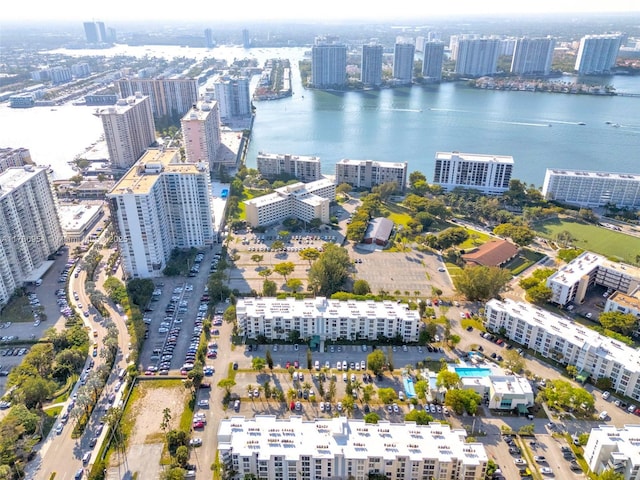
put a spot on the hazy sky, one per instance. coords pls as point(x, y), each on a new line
point(269, 10)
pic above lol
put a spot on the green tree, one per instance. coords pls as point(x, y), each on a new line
point(562, 394)
point(310, 254)
point(387, 395)
point(284, 269)
point(368, 391)
point(610, 474)
point(419, 416)
point(166, 420)
point(227, 384)
point(569, 254)
point(520, 234)
point(294, 284)
point(182, 455)
point(309, 359)
point(257, 258)
point(538, 293)
point(269, 359)
point(462, 400)
point(361, 287)
point(447, 379)
point(269, 288)
point(421, 386)
point(330, 272)
point(266, 273)
point(513, 361)
point(376, 361)
point(624, 323)
point(343, 189)
point(480, 282)
point(258, 363)
point(572, 371)
point(371, 417)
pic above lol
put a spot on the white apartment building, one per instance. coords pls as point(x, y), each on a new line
point(403, 58)
point(613, 448)
point(533, 56)
point(304, 201)
point(369, 173)
point(233, 97)
point(503, 392)
point(490, 174)
point(477, 57)
point(328, 63)
point(169, 97)
point(597, 54)
point(592, 189)
point(158, 205)
point(571, 282)
point(567, 342)
point(327, 319)
point(201, 133)
point(625, 303)
point(14, 157)
point(29, 226)
point(304, 168)
point(128, 129)
point(340, 448)
point(371, 71)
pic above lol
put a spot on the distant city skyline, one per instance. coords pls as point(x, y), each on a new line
point(253, 11)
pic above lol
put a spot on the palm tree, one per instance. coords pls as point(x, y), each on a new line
point(292, 394)
point(250, 391)
point(306, 386)
point(356, 386)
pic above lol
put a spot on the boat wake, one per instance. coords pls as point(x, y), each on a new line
point(526, 124)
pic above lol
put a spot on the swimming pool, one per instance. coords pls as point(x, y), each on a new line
point(409, 388)
point(472, 372)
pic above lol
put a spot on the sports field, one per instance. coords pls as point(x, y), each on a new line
point(612, 244)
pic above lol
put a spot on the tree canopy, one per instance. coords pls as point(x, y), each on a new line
point(481, 282)
point(329, 274)
point(624, 323)
point(462, 400)
point(376, 361)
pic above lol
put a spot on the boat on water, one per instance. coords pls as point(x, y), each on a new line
point(616, 125)
point(581, 123)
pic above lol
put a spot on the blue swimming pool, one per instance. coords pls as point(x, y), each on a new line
point(473, 372)
point(224, 193)
point(409, 388)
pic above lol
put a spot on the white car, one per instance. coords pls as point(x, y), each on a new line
point(603, 415)
point(605, 395)
point(195, 442)
point(546, 471)
point(519, 461)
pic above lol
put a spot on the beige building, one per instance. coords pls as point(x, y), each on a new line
point(201, 134)
point(304, 168)
point(160, 204)
point(369, 173)
point(304, 201)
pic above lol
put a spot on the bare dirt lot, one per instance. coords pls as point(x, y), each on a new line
point(145, 442)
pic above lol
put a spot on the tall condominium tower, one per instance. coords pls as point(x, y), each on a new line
point(403, 54)
point(29, 227)
point(201, 133)
point(371, 72)
point(160, 204)
point(233, 97)
point(91, 32)
point(328, 63)
point(597, 54)
point(246, 39)
point(533, 56)
point(477, 57)
point(488, 173)
point(14, 157)
point(170, 97)
point(208, 38)
point(128, 129)
point(432, 61)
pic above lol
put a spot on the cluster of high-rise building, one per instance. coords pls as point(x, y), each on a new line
point(30, 228)
point(474, 56)
point(97, 32)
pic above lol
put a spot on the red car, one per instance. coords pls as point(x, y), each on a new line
point(197, 424)
point(296, 364)
point(287, 365)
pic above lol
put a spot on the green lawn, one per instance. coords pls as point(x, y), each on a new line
point(475, 240)
point(17, 310)
point(398, 214)
point(524, 260)
point(614, 245)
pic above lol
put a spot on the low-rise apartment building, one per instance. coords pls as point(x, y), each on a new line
point(625, 303)
point(572, 281)
point(340, 449)
point(326, 319)
point(568, 343)
point(304, 201)
point(613, 448)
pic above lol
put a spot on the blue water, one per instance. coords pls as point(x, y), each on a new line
point(409, 387)
point(224, 193)
point(472, 372)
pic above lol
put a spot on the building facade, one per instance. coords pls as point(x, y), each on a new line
point(403, 57)
point(533, 56)
point(305, 201)
point(369, 173)
point(489, 174)
point(627, 303)
point(570, 283)
point(14, 157)
point(129, 130)
point(597, 54)
point(477, 57)
point(592, 189)
point(233, 98)
point(613, 448)
point(568, 343)
point(304, 168)
point(371, 71)
point(328, 64)
point(160, 204)
point(29, 226)
point(327, 319)
point(169, 97)
point(340, 449)
point(432, 61)
point(201, 133)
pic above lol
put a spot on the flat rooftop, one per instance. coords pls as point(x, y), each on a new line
point(77, 217)
point(594, 174)
point(146, 171)
point(631, 300)
point(474, 157)
point(348, 161)
point(14, 177)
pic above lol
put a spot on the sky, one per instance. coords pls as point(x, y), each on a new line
point(283, 10)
